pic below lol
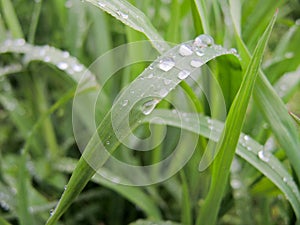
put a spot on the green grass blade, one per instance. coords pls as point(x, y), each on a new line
point(11, 19)
point(152, 84)
point(247, 148)
point(133, 194)
point(230, 135)
point(202, 10)
point(295, 117)
point(186, 211)
point(147, 222)
point(134, 18)
point(4, 222)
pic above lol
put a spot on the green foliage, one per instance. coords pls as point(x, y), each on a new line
point(46, 47)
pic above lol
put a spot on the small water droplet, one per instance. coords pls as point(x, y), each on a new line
point(131, 91)
point(148, 107)
point(289, 55)
point(249, 148)
point(121, 14)
point(124, 102)
point(107, 142)
point(65, 54)
point(200, 52)
point(246, 138)
point(101, 4)
point(196, 63)
point(62, 65)
point(166, 64)
point(264, 155)
point(183, 74)
point(65, 187)
point(203, 40)
point(115, 179)
point(235, 183)
point(78, 67)
point(233, 51)
point(68, 4)
point(20, 42)
point(150, 75)
point(51, 212)
point(185, 50)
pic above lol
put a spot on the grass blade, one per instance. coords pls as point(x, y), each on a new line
point(134, 18)
point(247, 148)
point(150, 84)
point(230, 135)
point(11, 19)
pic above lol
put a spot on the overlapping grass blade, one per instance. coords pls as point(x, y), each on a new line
point(148, 222)
point(134, 18)
point(247, 148)
point(274, 112)
point(133, 194)
point(230, 135)
point(162, 76)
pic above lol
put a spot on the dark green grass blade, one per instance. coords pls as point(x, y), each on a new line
point(230, 135)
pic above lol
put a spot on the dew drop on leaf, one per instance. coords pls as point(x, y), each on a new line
point(264, 155)
point(62, 65)
point(166, 64)
point(124, 102)
point(183, 74)
point(196, 63)
point(185, 50)
point(203, 40)
point(148, 107)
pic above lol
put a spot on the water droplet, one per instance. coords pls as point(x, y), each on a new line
point(62, 65)
point(264, 155)
point(233, 51)
point(235, 183)
point(131, 91)
point(20, 42)
point(65, 187)
point(203, 40)
point(47, 59)
point(148, 107)
point(115, 179)
point(183, 74)
point(297, 22)
point(285, 179)
point(200, 52)
point(185, 50)
point(107, 142)
point(101, 4)
point(65, 54)
point(121, 14)
point(249, 148)
point(68, 4)
point(166, 64)
point(150, 75)
point(124, 102)
point(51, 212)
point(289, 55)
point(196, 63)
point(78, 67)
point(246, 138)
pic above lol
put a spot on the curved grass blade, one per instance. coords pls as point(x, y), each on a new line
point(133, 194)
point(230, 135)
point(60, 59)
point(161, 77)
point(247, 148)
point(134, 18)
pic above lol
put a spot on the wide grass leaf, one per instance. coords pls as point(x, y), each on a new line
point(227, 144)
point(161, 77)
point(134, 18)
point(247, 148)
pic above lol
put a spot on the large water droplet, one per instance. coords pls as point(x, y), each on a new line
point(196, 63)
point(203, 40)
point(148, 107)
point(62, 65)
point(183, 74)
point(65, 54)
point(185, 50)
point(166, 64)
point(264, 155)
